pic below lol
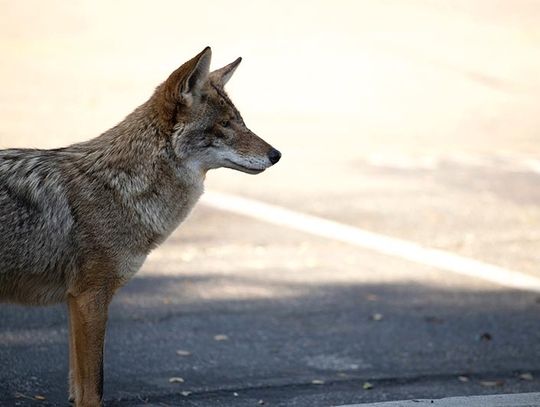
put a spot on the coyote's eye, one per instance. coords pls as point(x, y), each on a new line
point(221, 102)
point(225, 123)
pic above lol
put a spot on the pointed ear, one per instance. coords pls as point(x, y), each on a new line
point(221, 76)
point(185, 82)
point(181, 88)
point(195, 76)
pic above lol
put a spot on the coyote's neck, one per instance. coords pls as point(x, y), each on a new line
point(135, 159)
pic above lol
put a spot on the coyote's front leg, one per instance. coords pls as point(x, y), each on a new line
point(87, 319)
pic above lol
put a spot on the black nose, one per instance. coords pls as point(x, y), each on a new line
point(274, 156)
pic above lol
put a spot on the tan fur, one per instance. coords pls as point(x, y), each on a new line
point(76, 223)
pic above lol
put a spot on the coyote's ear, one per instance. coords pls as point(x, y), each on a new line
point(185, 83)
point(194, 75)
point(181, 87)
point(221, 76)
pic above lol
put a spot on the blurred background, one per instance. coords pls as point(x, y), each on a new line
point(413, 119)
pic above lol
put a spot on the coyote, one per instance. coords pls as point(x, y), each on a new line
point(76, 223)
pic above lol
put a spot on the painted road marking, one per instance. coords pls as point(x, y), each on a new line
point(533, 165)
point(373, 241)
point(500, 162)
point(495, 400)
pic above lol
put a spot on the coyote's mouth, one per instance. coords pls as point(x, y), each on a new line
point(243, 168)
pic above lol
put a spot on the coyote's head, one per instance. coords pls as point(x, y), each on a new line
point(206, 129)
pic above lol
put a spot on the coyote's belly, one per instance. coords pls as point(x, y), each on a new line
point(35, 264)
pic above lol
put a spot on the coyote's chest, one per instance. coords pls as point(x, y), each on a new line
point(129, 266)
point(161, 212)
point(158, 214)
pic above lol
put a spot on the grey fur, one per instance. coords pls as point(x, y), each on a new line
point(36, 227)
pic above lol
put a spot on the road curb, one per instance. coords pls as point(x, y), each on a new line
point(497, 400)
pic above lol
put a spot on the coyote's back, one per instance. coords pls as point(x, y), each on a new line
point(37, 249)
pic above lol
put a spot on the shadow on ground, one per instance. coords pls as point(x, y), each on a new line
point(314, 347)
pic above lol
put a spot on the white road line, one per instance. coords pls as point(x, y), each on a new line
point(495, 400)
point(533, 165)
point(373, 241)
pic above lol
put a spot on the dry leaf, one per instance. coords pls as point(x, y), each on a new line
point(526, 376)
point(492, 383)
point(181, 352)
point(185, 393)
point(371, 297)
point(317, 381)
point(377, 317)
point(367, 386)
point(261, 402)
point(463, 379)
point(39, 397)
point(486, 336)
point(176, 380)
point(221, 337)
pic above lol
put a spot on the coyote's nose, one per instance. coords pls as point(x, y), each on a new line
point(274, 156)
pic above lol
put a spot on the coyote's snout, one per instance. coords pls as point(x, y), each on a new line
point(77, 222)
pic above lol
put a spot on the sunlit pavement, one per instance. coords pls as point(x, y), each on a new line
point(407, 119)
point(499, 400)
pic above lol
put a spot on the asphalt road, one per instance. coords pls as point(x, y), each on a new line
point(429, 133)
point(291, 321)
